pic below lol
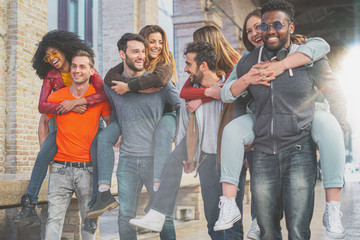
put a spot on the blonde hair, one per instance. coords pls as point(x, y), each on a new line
point(227, 57)
point(165, 56)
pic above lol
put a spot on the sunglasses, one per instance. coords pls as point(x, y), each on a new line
point(54, 54)
point(277, 25)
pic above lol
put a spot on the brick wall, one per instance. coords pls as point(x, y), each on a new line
point(119, 17)
point(23, 23)
point(3, 27)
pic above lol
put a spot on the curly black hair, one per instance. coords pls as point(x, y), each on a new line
point(67, 42)
point(205, 52)
point(279, 5)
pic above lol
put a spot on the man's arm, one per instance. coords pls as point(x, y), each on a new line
point(313, 50)
point(100, 96)
point(226, 95)
point(257, 75)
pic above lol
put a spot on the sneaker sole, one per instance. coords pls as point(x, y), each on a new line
point(332, 234)
point(137, 224)
point(335, 235)
point(97, 213)
point(253, 236)
point(229, 225)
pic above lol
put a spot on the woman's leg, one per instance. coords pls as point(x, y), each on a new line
point(164, 137)
point(105, 152)
point(43, 159)
point(29, 200)
point(237, 134)
point(105, 165)
point(327, 134)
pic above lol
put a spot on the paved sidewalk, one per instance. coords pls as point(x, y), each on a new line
point(197, 229)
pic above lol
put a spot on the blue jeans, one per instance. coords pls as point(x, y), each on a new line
point(132, 174)
point(43, 159)
point(325, 131)
point(285, 180)
point(250, 157)
point(210, 189)
point(45, 156)
point(63, 182)
point(164, 136)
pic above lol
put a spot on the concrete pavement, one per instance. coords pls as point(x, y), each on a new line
point(196, 229)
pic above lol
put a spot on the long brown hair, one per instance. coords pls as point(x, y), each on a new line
point(227, 57)
point(298, 39)
point(165, 56)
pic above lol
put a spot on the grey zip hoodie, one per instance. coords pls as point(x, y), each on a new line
point(285, 110)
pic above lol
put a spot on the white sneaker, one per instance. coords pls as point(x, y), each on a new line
point(229, 214)
point(254, 232)
point(332, 220)
point(153, 220)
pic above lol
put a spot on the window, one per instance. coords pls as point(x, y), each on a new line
point(76, 16)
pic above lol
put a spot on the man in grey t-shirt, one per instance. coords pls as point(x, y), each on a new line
point(138, 115)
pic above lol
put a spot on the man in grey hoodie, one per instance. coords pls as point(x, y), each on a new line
point(284, 170)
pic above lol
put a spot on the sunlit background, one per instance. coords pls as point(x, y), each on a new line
point(349, 76)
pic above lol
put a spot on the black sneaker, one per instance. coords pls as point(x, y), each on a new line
point(104, 201)
point(90, 225)
point(28, 216)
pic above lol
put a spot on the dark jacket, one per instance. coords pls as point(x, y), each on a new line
point(285, 110)
point(53, 82)
point(158, 78)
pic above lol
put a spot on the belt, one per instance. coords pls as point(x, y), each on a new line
point(75, 164)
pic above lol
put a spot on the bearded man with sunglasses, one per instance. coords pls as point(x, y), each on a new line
point(284, 168)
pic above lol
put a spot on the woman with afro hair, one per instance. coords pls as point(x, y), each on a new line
point(52, 62)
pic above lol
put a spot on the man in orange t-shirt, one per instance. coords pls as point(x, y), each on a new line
point(72, 168)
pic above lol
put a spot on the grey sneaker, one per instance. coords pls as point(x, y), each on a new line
point(229, 214)
point(332, 220)
point(104, 201)
point(28, 216)
point(153, 220)
point(254, 232)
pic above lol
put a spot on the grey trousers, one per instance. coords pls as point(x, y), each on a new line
point(63, 182)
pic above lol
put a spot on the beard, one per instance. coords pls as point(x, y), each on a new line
point(280, 45)
point(197, 79)
point(132, 66)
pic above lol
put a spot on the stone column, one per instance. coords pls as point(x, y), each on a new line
point(119, 17)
